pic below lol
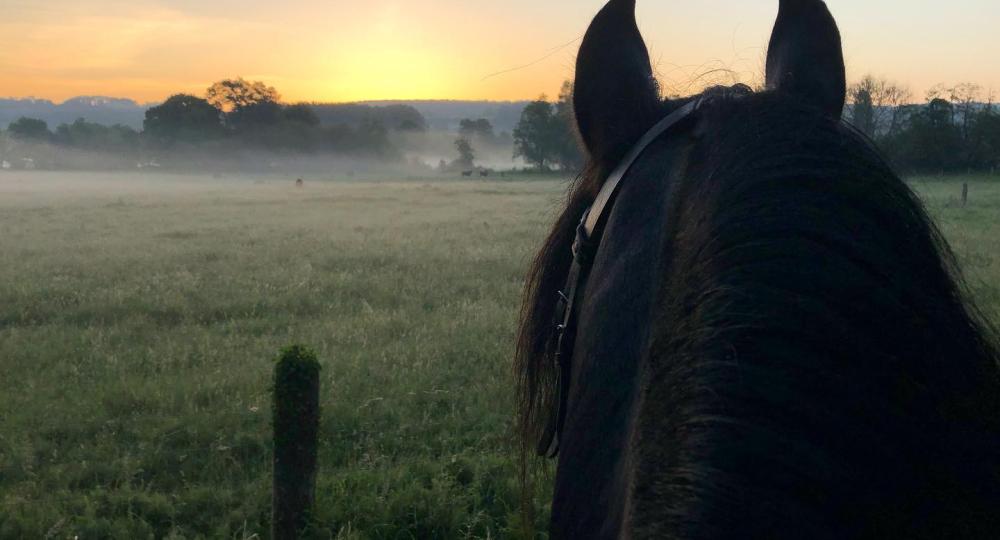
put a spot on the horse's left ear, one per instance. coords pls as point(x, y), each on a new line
point(805, 57)
point(615, 96)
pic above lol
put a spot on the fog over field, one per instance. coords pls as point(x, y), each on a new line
point(432, 147)
point(419, 154)
point(91, 133)
point(140, 314)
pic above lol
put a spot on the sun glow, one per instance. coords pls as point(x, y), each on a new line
point(316, 50)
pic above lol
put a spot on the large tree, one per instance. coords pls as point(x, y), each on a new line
point(29, 129)
point(533, 136)
point(231, 95)
point(545, 134)
point(480, 128)
point(245, 103)
point(183, 118)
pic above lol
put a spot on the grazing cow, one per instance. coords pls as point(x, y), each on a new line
point(763, 334)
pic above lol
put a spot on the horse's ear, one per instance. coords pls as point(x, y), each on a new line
point(615, 95)
point(805, 57)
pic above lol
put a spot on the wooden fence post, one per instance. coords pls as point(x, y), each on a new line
point(296, 427)
point(965, 194)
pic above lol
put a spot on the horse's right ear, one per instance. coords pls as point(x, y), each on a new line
point(615, 95)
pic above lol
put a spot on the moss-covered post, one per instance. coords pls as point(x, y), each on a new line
point(296, 425)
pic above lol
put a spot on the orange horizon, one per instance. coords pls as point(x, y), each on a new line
point(386, 50)
point(988, 94)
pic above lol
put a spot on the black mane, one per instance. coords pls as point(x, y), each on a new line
point(816, 368)
point(775, 340)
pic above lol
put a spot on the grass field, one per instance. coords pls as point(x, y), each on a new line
point(139, 319)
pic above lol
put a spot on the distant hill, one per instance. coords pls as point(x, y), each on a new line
point(446, 114)
point(394, 117)
point(439, 114)
point(97, 109)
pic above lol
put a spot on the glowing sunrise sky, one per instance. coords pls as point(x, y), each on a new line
point(445, 49)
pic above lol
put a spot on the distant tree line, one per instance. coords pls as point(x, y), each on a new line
point(80, 134)
point(394, 117)
point(956, 129)
point(250, 114)
point(235, 114)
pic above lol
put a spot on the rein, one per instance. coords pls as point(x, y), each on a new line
point(584, 249)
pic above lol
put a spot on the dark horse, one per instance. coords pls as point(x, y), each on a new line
point(774, 340)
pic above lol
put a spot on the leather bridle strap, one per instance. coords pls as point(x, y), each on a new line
point(611, 185)
point(584, 250)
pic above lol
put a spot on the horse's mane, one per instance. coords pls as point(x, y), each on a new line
point(780, 208)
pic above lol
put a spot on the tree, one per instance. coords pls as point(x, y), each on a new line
point(466, 154)
point(403, 118)
point(986, 134)
point(931, 141)
point(29, 129)
point(97, 137)
point(863, 111)
point(302, 114)
point(877, 106)
point(533, 136)
point(545, 134)
point(372, 137)
point(567, 148)
point(234, 95)
point(183, 118)
point(256, 116)
point(410, 125)
point(480, 128)
point(965, 97)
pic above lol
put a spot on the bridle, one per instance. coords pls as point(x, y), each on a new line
point(584, 249)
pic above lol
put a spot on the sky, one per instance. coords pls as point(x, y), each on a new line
point(334, 50)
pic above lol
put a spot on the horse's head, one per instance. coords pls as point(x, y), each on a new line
point(616, 97)
point(755, 256)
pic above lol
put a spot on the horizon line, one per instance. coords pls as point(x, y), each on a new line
point(294, 102)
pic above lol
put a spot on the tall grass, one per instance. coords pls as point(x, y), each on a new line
point(139, 319)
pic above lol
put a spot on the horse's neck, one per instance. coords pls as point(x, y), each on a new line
point(612, 339)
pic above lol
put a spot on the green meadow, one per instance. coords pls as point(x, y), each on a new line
point(140, 317)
